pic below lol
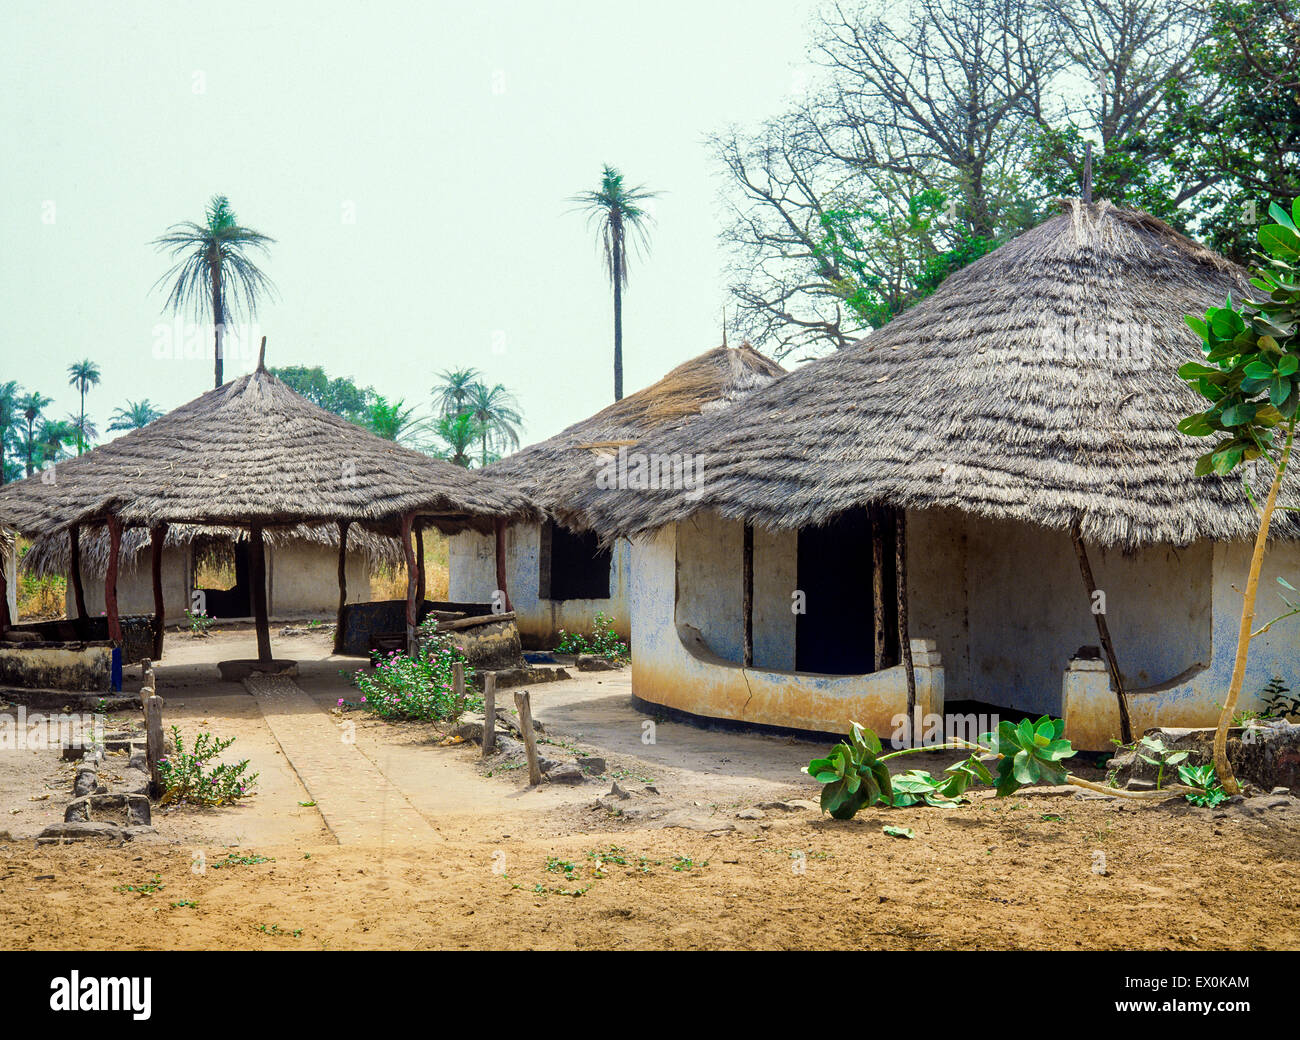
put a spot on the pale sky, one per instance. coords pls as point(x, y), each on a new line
point(454, 134)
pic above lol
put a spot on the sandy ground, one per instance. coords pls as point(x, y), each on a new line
point(671, 867)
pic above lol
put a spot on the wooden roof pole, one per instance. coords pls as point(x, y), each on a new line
point(1103, 631)
point(419, 564)
point(904, 634)
point(156, 535)
point(501, 562)
point(408, 520)
point(877, 588)
point(110, 578)
point(5, 619)
point(747, 596)
point(74, 569)
point(343, 584)
point(257, 577)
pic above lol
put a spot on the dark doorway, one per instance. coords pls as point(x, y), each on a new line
point(572, 565)
point(235, 601)
point(835, 634)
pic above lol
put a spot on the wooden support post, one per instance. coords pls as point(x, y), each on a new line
point(501, 563)
point(156, 536)
point(412, 617)
point(877, 590)
point(154, 750)
point(457, 688)
point(419, 565)
point(257, 576)
point(5, 619)
point(1103, 632)
point(74, 569)
point(904, 634)
point(747, 595)
point(530, 738)
point(489, 712)
point(110, 579)
point(343, 584)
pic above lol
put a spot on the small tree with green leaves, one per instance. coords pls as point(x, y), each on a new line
point(1251, 377)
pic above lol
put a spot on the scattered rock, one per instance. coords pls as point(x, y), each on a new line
point(77, 811)
point(84, 829)
point(592, 663)
point(1280, 791)
point(617, 792)
point(794, 805)
point(592, 765)
point(751, 814)
point(86, 781)
point(567, 773)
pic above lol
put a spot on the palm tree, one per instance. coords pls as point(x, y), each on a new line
point(83, 375)
point(393, 422)
point(496, 412)
point(458, 432)
point(212, 267)
point(54, 436)
point(10, 393)
point(616, 212)
point(31, 407)
point(135, 415)
point(451, 396)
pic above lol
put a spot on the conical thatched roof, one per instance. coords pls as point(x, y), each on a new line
point(1037, 385)
point(253, 451)
point(50, 554)
point(557, 471)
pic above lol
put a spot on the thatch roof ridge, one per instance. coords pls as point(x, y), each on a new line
point(1038, 384)
point(555, 471)
point(253, 450)
point(50, 554)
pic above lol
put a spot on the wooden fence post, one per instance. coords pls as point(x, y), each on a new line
point(522, 702)
point(154, 752)
point(489, 712)
point(457, 688)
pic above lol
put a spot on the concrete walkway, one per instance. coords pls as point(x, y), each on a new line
point(357, 801)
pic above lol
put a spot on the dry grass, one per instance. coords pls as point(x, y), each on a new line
point(389, 582)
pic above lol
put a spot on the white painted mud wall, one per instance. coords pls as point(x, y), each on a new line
point(301, 578)
point(473, 578)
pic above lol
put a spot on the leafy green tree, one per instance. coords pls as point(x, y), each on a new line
point(30, 407)
point(82, 375)
point(457, 433)
point(1251, 377)
point(451, 395)
point(213, 270)
point(134, 416)
point(393, 422)
point(54, 437)
point(339, 395)
point(496, 412)
point(10, 395)
point(617, 212)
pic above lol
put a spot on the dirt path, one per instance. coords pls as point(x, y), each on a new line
point(442, 850)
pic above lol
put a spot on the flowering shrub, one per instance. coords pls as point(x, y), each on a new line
point(604, 642)
point(185, 779)
point(419, 687)
point(200, 622)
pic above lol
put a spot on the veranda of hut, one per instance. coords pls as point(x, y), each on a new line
point(301, 570)
point(250, 454)
point(993, 440)
point(560, 577)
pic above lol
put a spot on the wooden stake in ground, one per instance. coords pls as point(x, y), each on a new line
point(530, 738)
point(412, 615)
point(1103, 632)
point(154, 751)
point(489, 712)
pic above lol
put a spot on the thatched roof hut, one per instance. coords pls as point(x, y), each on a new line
point(556, 472)
point(255, 452)
point(1036, 385)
